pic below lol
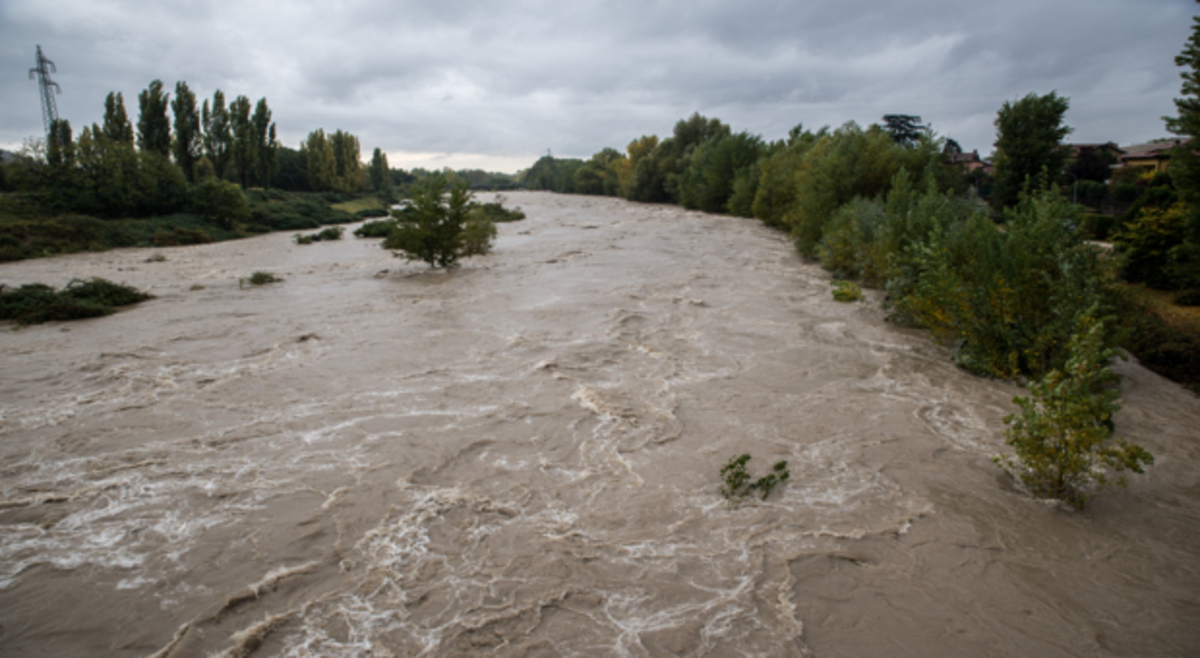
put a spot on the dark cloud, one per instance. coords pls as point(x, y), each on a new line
point(508, 81)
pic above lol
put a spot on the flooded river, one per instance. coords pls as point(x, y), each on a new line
point(521, 458)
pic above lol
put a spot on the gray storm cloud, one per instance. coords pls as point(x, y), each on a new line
point(503, 83)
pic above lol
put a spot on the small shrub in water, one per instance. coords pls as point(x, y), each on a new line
point(304, 239)
point(1062, 434)
point(331, 233)
point(258, 279)
point(847, 291)
point(34, 303)
point(738, 484)
point(376, 229)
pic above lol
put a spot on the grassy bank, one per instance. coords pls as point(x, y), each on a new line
point(29, 230)
point(1163, 336)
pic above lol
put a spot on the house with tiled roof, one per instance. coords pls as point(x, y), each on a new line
point(969, 161)
point(1153, 156)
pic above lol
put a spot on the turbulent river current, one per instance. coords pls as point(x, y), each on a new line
point(521, 457)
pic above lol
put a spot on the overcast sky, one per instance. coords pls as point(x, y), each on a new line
point(496, 84)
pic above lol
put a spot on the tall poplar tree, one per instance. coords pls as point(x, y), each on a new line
point(319, 162)
point(346, 162)
point(379, 173)
point(218, 138)
point(243, 139)
point(264, 142)
point(154, 129)
point(187, 142)
point(116, 121)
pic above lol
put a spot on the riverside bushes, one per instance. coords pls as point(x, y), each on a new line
point(34, 303)
point(1063, 434)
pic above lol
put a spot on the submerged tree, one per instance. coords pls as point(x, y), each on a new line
point(441, 225)
point(1063, 434)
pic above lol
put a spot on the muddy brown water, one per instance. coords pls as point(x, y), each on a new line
point(521, 458)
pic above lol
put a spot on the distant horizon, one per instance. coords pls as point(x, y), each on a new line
point(435, 84)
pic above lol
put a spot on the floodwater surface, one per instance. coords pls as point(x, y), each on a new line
point(521, 458)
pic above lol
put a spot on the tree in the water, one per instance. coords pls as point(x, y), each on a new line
point(441, 224)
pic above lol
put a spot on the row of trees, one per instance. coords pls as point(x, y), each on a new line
point(1011, 285)
point(178, 149)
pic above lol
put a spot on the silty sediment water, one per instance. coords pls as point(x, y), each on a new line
point(521, 457)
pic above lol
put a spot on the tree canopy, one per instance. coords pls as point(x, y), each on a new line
point(1028, 144)
point(154, 129)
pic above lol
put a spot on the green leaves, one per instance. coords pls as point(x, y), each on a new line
point(1028, 143)
point(737, 482)
point(1062, 435)
point(442, 224)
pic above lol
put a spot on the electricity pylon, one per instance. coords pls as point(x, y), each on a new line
point(49, 107)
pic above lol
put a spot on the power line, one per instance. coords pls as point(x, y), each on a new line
point(49, 107)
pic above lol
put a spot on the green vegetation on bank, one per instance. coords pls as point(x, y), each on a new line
point(996, 266)
point(188, 174)
point(34, 303)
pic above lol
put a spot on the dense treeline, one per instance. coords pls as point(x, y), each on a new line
point(1009, 281)
point(186, 171)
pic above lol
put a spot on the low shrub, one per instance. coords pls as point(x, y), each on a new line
point(259, 279)
point(847, 291)
point(376, 229)
point(34, 303)
point(1146, 241)
point(1170, 351)
point(331, 233)
point(368, 213)
point(496, 212)
point(1096, 226)
point(1188, 297)
point(738, 483)
point(1062, 435)
point(103, 291)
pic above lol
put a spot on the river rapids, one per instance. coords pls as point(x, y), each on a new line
point(521, 458)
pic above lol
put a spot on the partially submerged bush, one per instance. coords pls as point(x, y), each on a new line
point(376, 229)
point(258, 279)
point(34, 303)
point(737, 482)
point(105, 292)
point(496, 212)
point(847, 291)
point(1062, 435)
point(328, 233)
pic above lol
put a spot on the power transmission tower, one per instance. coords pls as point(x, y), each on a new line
point(49, 108)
